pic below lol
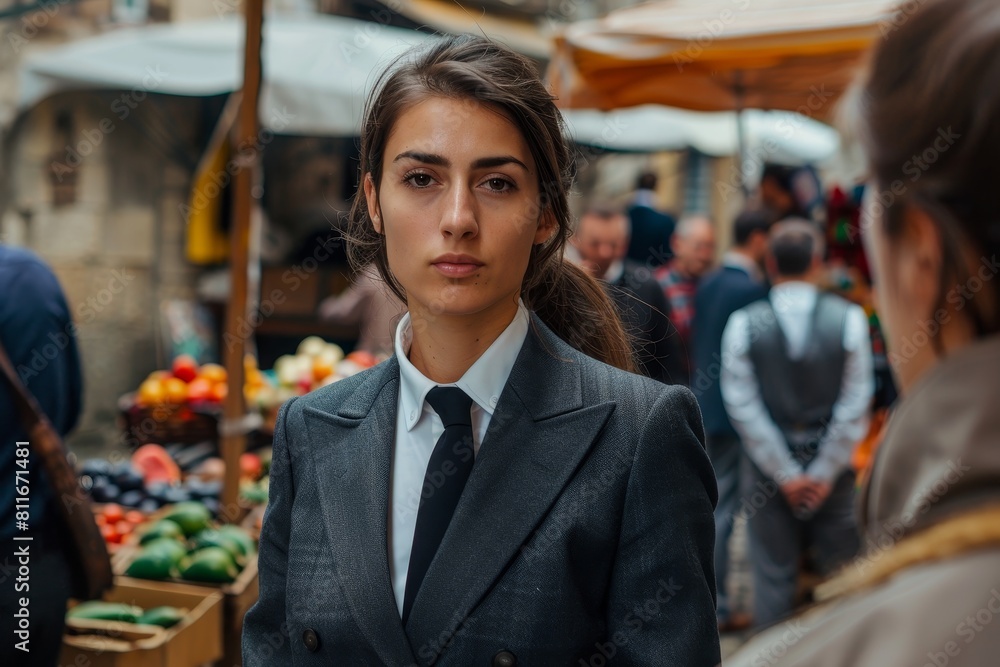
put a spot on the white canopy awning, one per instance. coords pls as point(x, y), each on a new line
point(771, 136)
point(317, 70)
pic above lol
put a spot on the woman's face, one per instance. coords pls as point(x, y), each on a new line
point(458, 205)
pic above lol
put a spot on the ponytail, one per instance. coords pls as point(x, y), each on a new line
point(578, 309)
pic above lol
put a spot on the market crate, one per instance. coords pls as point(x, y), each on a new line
point(238, 597)
point(195, 640)
point(167, 423)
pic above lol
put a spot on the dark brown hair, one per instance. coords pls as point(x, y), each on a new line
point(570, 302)
point(927, 114)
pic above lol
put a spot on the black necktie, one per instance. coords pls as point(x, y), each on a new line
point(447, 472)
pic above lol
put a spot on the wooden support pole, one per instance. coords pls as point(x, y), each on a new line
point(233, 428)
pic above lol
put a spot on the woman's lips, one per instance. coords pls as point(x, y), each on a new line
point(456, 269)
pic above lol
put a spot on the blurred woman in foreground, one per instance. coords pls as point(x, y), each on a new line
point(926, 590)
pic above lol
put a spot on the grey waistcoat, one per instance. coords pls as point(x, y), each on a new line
point(800, 394)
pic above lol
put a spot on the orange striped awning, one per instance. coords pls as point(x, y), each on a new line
point(718, 55)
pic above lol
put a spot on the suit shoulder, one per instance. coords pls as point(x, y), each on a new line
point(602, 381)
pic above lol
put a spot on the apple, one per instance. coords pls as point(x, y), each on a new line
point(185, 368)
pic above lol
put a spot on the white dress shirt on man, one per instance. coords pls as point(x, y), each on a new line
point(418, 428)
point(793, 304)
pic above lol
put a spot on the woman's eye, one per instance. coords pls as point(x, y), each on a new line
point(419, 180)
point(499, 184)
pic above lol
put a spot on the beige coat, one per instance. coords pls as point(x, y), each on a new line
point(926, 592)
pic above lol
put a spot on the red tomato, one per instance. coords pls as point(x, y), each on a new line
point(110, 534)
point(251, 466)
point(113, 513)
point(362, 358)
point(123, 527)
point(135, 517)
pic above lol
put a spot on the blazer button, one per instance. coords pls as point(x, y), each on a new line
point(311, 640)
point(504, 659)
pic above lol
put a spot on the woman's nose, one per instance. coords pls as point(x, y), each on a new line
point(459, 217)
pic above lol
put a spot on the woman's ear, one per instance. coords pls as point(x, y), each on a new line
point(919, 260)
point(547, 226)
point(371, 197)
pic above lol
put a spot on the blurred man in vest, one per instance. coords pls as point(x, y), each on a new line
point(797, 384)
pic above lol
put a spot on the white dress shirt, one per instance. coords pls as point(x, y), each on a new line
point(793, 304)
point(418, 428)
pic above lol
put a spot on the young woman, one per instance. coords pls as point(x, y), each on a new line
point(498, 492)
point(926, 589)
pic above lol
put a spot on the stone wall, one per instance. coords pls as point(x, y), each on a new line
point(117, 247)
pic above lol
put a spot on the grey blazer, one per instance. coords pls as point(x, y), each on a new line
point(583, 537)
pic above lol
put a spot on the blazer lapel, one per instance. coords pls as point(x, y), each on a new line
point(352, 450)
point(537, 437)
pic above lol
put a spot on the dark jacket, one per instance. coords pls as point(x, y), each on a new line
point(645, 312)
point(649, 245)
point(38, 333)
point(585, 529)
point(719, 295)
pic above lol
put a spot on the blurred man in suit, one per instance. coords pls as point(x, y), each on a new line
point(649, 244)
point(737, 283)
point(601, 240)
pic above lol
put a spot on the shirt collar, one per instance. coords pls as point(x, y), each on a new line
point(794, 294)
point(735, 260)
point(644, 198)
point(614, 272)
point(483, 382)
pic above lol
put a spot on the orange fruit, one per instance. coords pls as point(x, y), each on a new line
point(218, 392)
point(176, 390)
point(213, 373)
point(321, 369)
point(151, 392)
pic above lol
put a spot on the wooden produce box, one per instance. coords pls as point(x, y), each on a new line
point(196, 640)
point(238, 597)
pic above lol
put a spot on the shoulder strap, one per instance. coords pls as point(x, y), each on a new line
point(74, 506)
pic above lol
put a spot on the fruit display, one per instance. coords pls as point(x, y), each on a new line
point(149, 480)
point(98, 610)
point(185, 383)
point(315, 364)
point(184, 544)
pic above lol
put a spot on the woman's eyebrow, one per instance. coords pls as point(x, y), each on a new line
point(440, 160)
point(499, 161)
point(427, 158)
